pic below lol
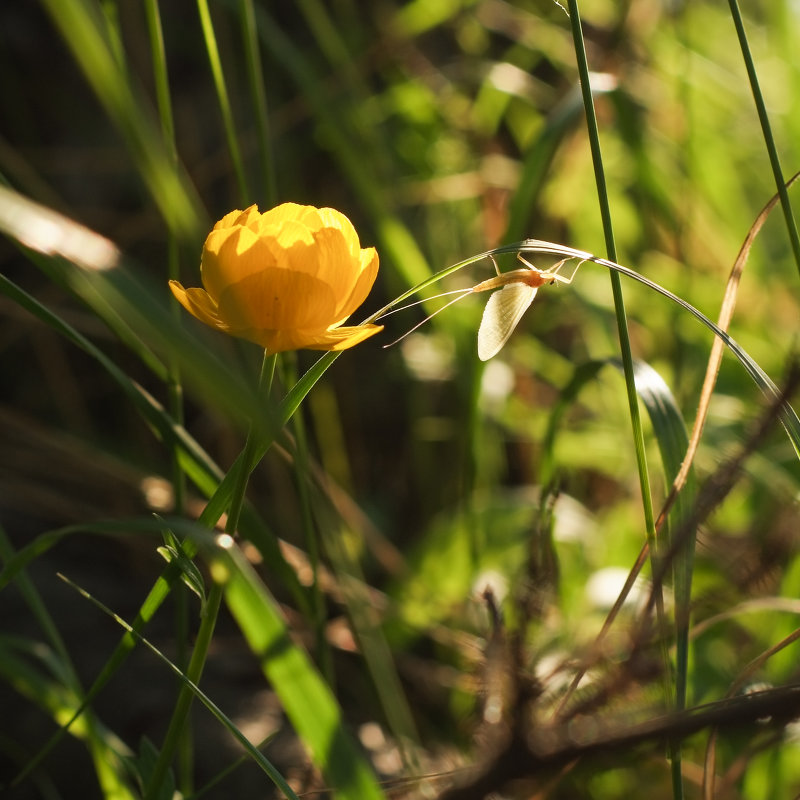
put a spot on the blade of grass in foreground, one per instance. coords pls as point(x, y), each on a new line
point(616, 286)
point(670, 435)
point(83, 30)
point(254, 753)
point(223, 99)
point(29, 667)
point(766, 130)
point(61, 696)
point(308, 701)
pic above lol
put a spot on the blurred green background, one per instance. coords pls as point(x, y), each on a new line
point(442, 129)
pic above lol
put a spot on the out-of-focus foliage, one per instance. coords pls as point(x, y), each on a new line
point(441, 129)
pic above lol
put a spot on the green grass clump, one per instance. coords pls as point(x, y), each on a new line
point(402, 572)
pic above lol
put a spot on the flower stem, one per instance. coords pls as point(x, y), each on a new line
point(211, 606)
point(250, 448)
point(301, 472)
point(186, 696)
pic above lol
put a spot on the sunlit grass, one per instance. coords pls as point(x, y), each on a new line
point(430, 547)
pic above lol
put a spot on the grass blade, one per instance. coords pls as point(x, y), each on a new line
point(670, 434)
point(304, 695)
point(84, 31)
point(223, 98)
point(766, 130)
point(255, 754)
point(255, 75)
point(396, 241)
point(616, 285)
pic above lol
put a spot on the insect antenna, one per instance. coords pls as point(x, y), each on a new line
point(425, 300)
point(460, 292)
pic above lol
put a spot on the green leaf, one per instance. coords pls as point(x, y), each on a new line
point(306, 698)
point(142, 766)
point(172, 551)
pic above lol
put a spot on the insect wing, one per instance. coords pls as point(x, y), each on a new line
point(502, 313)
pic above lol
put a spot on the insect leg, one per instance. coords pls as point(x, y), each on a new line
point(553, 271)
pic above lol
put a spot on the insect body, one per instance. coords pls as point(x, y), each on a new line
point(505, 308)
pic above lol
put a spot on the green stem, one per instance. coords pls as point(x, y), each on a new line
point(622, 322)
point(616, 284)
point(211, 606)
point(174, 385)
point(186, 695)
point(222, 97)
point(766, 130)
point(83, 30)
point(251, 448)
point(301, 472)
point(161, 79)
point(255, 74)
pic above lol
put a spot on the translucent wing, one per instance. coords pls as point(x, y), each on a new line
point(501, 315)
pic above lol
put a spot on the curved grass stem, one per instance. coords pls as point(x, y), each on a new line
point(766, 385)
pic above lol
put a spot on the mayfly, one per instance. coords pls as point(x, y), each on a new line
point(505, 307)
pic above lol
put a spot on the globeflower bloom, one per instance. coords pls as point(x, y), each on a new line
point(286, 279)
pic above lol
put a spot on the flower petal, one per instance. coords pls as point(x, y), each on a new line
point(368, 271)
point(336, 339)
point(347, 337)
point(335, 219)
point(278, 299)
point(287, 212)
point(325, 257)
point(286, 279)
point(231, 254)
point(199, 304)
point(291, 234)
point(236, 217)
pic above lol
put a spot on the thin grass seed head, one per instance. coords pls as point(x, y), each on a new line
point(286, 279)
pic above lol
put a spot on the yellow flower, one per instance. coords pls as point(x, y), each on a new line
point(285, 279)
